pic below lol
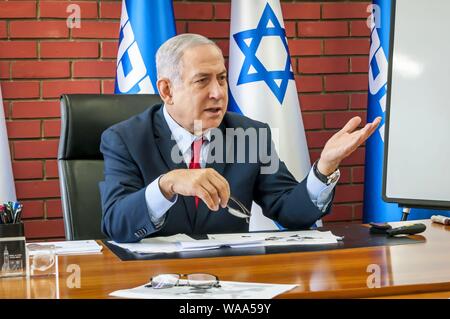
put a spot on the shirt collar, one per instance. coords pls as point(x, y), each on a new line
point(183, 137)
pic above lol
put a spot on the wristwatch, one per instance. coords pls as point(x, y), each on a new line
point(332, 178)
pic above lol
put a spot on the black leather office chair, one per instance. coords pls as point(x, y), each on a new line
point(80, 163)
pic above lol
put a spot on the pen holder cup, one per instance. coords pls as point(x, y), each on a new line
point(12, 250)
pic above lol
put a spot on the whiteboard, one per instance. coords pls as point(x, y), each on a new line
point(417, 144)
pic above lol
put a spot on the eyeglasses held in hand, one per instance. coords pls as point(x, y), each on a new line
point(241, 211)
point(196, 280)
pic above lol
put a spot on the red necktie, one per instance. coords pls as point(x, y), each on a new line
point(195, 160)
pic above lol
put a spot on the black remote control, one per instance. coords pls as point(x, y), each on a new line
point(379, 228)
point(407, 229)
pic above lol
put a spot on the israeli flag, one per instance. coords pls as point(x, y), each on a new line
point(7, 188)
point(262, 85)
point(144, 26)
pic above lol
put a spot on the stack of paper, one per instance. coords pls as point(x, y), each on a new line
point(182, 242)
point(303, 237)
point(73, 247)
point(227, 290)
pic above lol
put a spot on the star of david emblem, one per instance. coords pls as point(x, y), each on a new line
point(253, 70)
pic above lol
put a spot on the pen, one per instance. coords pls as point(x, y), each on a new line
point(440, 219)
point(1, 213)
point(18, 212)
point(3, 216)
point(8, 212)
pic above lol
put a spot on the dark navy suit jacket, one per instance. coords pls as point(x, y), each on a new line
point(138, 150)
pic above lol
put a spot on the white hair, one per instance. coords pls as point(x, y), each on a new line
point(169, 54)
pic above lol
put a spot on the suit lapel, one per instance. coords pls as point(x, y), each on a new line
point(167, 145)
point(218, 149)
point(168, 148)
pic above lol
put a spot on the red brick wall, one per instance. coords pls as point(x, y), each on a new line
point(40, 58)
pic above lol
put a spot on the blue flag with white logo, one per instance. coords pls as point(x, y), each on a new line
point(375, 209)
point(144, 26)
point(262, 85)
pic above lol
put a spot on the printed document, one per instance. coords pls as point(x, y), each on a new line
point(182, 242)
point(228, 290)
point(72, 247)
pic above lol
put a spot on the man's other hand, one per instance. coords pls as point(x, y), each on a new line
point(204, 183)
point(343, 143)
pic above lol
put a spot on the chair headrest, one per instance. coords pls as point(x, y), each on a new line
point(84, 117)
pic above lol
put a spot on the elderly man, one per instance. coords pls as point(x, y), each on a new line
point(159, 176)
